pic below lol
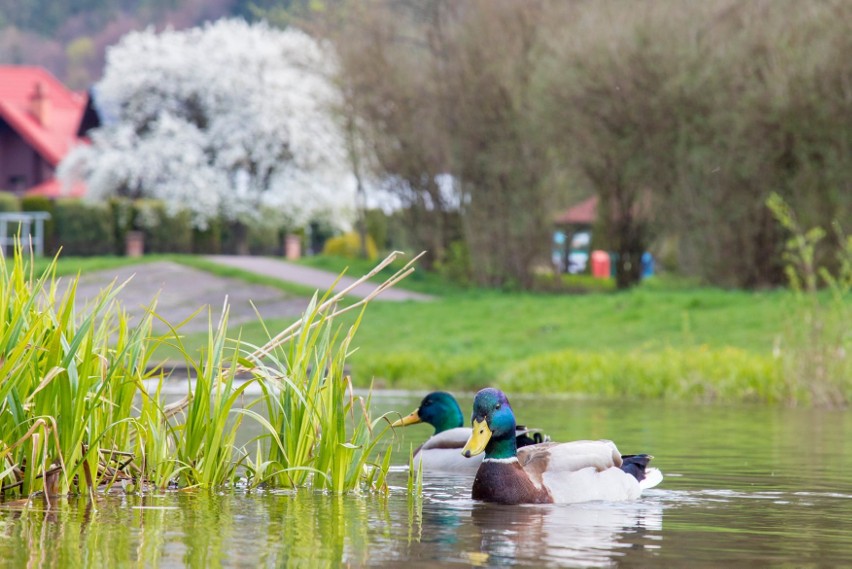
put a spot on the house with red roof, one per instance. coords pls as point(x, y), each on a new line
point(573, 234)
point(582, 214)
point(39, 120)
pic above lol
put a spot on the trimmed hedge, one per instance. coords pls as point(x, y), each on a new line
point(83, 228)
point(164, 232)
point(123, 214)
point(208, 241)
point(265, 237)
point(9, 202)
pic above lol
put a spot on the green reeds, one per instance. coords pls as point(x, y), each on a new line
point(317, 428)
point(76, 414)
point(815, 344)
point(67, 383)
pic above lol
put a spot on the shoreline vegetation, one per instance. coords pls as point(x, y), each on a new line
point(666, 339)
point(78, 414)
point(81, 408)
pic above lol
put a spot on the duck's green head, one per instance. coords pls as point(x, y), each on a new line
point(439, 409)
point(493, 425)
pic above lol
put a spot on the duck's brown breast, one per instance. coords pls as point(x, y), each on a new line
point(507, 483)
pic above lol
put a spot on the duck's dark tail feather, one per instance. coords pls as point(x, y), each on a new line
point(636, 465)
point(525, 437)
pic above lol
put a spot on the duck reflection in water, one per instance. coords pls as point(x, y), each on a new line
point(592, 534)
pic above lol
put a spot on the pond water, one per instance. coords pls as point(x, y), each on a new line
point(744, 487)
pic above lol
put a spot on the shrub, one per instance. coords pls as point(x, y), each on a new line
point(122, 220)
point(84, 228)
point(208, 241)
point(41, 203)
point(377, 227)
point(413, 370)
point(816, 343)
point(165, 232)
point(349, 245)
point(702, 374)
point(264, 237)
point(456, 264)
point(9, 202)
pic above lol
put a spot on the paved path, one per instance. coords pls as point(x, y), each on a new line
point(313, 278)
point(181, 290)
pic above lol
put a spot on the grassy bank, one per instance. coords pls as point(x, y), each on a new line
point(467, 341)
point(704, 344)
point(664, 339)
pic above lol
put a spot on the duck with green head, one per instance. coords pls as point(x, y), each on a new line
point(545, 473)
point(441, 452)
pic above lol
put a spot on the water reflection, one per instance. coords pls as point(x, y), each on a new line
point(298, 529)
point(575, 535)
point(725, 501)
point(454, 527)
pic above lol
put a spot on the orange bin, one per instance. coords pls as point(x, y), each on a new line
point(600, 264)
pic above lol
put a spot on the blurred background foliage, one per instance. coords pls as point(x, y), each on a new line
point(484, 118)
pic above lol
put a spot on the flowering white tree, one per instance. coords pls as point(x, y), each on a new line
point(221, 120)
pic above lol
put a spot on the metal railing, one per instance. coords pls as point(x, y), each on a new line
point(29, 225)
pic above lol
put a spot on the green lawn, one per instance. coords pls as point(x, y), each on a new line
point(419, 281)
point(468, 339)
point(661, 339)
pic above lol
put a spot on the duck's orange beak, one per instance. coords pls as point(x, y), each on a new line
point(411, 419)
point(478, 439)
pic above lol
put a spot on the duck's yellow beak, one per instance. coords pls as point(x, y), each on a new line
point(411, 419)
point(478, 439)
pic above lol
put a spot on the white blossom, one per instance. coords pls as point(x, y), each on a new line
point(221, 120)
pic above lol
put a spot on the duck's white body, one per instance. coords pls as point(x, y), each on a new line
point(583, 471)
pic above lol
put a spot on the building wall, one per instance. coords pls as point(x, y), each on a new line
point(20, 166)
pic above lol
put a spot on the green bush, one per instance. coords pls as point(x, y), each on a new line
point(9, 202)
point(414, 370)
point(456, 264)
point(36, 203)
point(230, 237)
point(165, 232)
point(348, 245)
point(123, 213)
point(377, 227)
point(84, 228)
point(701, 374)
point(264, 237)
point(208, 241)
point(41, 203)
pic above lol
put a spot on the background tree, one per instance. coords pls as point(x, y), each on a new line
point(387, 71)
point(221, 120)
point(766, 107)
point(448, 118)
point(610, 87)
point(685, 117)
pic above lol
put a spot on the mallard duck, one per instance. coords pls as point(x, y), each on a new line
point(578, 471)
point(441, 452)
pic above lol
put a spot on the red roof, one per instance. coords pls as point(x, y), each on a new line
point(55, 138)
point(585, 212)
point(53, 188)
